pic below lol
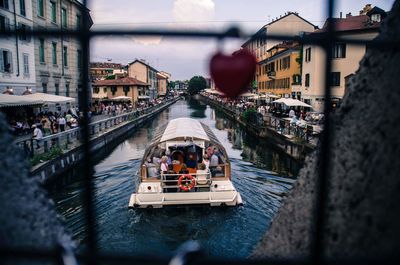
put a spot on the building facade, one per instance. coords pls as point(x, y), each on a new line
point(17, 58)
point(58, 59)
point(345, 57)
point(281, 70)
point(127, 86)
point(291, 24)
point(163, 83)
point(142, 71)
point(100, 70)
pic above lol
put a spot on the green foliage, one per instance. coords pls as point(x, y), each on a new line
point(196, 84)
point(54, 152)
point(250, 115)
point(110, 77)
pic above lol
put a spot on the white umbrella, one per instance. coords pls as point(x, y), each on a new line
point(290, 102)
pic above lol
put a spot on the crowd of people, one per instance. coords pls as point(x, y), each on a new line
point(184, 162)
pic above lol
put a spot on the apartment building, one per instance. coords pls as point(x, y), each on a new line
point(58, 59)
point(102, 70)
point(163, 83)
point(290, 24)
point(345, 57)
point(17, 62)
point(142, 71)
point(281, 70)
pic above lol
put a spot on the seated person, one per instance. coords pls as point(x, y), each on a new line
point(191, 162)
point(184, 169)
point(218, 172)
point(164, 164)
point(171, 175)
point(201, 174)
point(206, 161)
point(152, 169)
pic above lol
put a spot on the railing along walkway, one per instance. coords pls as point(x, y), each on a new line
point(71, 138)
point(303, 133)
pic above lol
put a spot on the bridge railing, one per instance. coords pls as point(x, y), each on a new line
point(70, 138)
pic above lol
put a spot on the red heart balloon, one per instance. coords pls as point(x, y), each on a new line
point(232, 74)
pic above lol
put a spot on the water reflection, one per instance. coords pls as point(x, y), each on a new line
point(258, 172)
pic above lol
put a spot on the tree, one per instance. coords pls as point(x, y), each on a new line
point(196, 84)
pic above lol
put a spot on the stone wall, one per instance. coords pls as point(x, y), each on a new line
point(363, 210)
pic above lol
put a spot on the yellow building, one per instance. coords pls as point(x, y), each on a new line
point(280, 70)
point(127, 86)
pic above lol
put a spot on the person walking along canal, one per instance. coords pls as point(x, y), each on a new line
point(37, 135)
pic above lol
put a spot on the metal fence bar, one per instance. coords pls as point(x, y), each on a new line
point(321, 189)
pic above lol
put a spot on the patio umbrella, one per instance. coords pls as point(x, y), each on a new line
point(290, 102)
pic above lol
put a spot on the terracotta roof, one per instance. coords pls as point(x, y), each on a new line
point(126, 81)
point(361, 22)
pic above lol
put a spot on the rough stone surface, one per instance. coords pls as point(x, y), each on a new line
point(363, 211)
point(27, 216)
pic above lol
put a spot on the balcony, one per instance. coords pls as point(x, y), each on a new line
point(271, 74)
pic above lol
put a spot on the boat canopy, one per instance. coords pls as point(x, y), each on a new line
point(184, 128)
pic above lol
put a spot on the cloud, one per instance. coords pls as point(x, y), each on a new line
point(193, 10)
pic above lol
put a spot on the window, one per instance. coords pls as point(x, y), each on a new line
point(113, 90)
point(334, 79)
point(63, 17)
point(286, 62)
point(4, 24)
point(24, 36)
point(65, 56)
point(126, 90)
point(53, 12)
point(54, 53)
point(26, 64)
point(41, 51)
point(40, 8)
point(57, 89)
point(22, 10)
point(308, 55)
point(78, 21)
point(79, 59)
point(67, 89)
point(339, 50)
point(44, 87)
point(376, 18)
point(4, 4)
point(307, 80)
point(5, 61)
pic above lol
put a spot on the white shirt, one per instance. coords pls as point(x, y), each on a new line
point(164, 167)
point(291, 113)
point(214, 161)
point(62, 121)
point(37, 134)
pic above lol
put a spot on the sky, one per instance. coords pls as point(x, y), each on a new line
point(183, 57)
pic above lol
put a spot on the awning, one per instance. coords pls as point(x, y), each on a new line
point(15, 101)
point(247, 95)
point(143, 97)
point(122, 98)
point(290, 102)
point(49, 98)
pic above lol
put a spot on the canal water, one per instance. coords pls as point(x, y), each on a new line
point(262, 175)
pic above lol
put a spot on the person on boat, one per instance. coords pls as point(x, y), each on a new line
point(201, 174)
point(168, 155)
point(164, 165)
point(214, 159)
point(184, 169)
point(191, 162)
point(152, 170)
point(206, 161)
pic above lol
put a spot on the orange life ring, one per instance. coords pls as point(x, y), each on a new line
point(188, 182)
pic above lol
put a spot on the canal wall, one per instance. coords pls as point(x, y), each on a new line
point(49, 170)
point(289, 146)
point(362, 211)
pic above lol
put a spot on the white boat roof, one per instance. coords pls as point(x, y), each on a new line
point(184, 127)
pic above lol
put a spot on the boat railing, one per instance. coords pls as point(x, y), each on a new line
point(203, 179)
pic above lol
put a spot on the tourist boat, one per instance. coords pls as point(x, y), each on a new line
point(183, 143)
